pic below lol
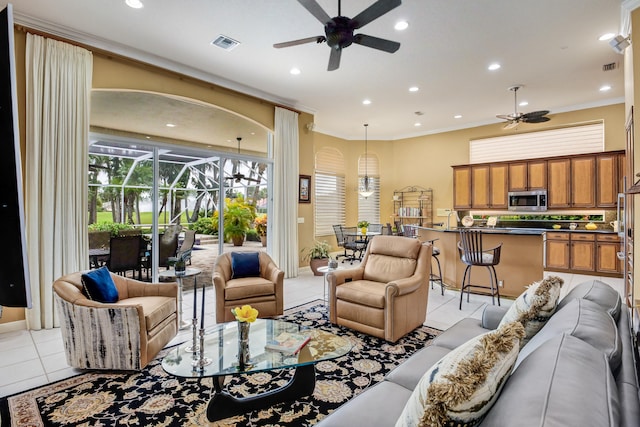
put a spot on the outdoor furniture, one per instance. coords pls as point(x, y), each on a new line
point(124, 254)
point(124, 335)
point(386, 295)
point(99, 244)
point(187, 245)
point(263, 291)
point(168, 244)
point(472, 253)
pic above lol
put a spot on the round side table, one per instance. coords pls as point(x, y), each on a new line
point(171, 274)
point(325, 270)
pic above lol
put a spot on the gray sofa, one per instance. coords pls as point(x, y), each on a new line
point(578, 370)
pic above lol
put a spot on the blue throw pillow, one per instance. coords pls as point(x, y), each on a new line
point(99, 286)
point(245, 264)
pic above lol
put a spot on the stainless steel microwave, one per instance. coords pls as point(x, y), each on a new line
point(528, 200)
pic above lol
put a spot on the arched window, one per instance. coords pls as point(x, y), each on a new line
point(329, 190)
point(369, 207)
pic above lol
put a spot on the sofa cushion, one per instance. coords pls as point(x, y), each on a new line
point(248, 287)
point(585, 320)
point(245, 264)
point(99, 286)
point(464, 330)
point(363, 292)
point(564, 382)
point(462, 386)
point(598, 292)
point(534, 306)
point(155, 308)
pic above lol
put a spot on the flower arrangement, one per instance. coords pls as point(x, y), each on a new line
point(261, 224)
point(246, 313)
point(363, 224)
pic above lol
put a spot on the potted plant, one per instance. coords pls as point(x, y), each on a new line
point(362, 225)
point(261, 227)
point(318, 256)
point(237, 220)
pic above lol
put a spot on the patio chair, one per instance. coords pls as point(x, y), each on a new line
point(187, 245)
point(124, 255)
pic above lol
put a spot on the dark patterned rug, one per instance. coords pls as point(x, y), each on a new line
point(153, 397)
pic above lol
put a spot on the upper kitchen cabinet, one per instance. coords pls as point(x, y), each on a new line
point(559, 175)
point(480, 187)
point(527, 175)
point(583, 182)
point(608, 180)
point(498, 185)
point(462, 187)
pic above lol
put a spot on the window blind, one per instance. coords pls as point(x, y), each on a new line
point(329, 191)
point(556, 142)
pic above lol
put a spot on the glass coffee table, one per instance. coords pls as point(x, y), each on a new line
point(221, 348)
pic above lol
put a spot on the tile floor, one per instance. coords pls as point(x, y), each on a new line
point(33, 358)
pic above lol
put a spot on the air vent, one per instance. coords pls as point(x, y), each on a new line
point(224, 42)
point(610, 67)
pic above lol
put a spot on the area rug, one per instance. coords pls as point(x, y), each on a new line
point(154, 398)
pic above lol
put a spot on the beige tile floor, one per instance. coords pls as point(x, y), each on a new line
point(33, 358)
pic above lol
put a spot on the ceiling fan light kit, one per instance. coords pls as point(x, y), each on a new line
point(339, 29)
point(516, 118)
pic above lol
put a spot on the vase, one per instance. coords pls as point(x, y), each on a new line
point(363, 230)
point(243, 344)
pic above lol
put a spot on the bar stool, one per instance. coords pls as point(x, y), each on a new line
point(435, 251)
point(473, 254)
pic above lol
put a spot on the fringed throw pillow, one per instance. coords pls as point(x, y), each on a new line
point(461, 388)
point(534, 306)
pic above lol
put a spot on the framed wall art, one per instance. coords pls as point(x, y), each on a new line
point(304, 189)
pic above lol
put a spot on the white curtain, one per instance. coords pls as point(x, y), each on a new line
point(58, 88)
point(285, 192)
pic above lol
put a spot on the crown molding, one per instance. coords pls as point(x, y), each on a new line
point(626, 8)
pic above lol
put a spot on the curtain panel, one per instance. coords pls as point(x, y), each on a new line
point(58, 88)
point(285, 191)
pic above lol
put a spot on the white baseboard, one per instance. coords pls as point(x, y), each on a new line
point(18, 325)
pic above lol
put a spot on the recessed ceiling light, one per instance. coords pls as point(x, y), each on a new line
point(605, 37)
point(457, 116)
point(417, 124)
point(366, 102)
point(170, 125)
point(136, 4)
point(401, 25)
point(295, 71)
point(414, 89)
point(523, 104)
point(605, 88)
point(494, 66)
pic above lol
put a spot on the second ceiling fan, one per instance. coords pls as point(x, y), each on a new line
point(339, 29)
point(237, 177)
point(517, 118)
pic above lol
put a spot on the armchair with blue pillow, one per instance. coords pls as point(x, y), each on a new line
point(247, 278)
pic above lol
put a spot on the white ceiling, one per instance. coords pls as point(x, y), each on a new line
point(550, 46)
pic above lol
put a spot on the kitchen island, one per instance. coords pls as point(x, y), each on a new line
point(521, 258)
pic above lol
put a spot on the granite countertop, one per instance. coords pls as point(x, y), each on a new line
point(520, 230)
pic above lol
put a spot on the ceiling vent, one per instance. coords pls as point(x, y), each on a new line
point(224, 42)
point(610, 67)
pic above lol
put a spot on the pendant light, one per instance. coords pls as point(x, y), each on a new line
point(365, 191)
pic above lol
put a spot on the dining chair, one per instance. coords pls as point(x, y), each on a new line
point(124, 255)
point(353, 243)
point(472, 253)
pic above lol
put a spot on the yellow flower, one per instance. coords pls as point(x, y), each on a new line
point(246, 313)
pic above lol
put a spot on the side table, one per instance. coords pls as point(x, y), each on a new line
point(171, 274)
point(326, 270)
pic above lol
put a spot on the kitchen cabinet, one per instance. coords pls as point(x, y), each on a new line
point(498, 186)
point(462, 187)
point(529, 175)
point(583, 182)
point(582, 252)
point(607, 248)
point(558, 179)
point(607, 181)
point(480, 177)
point(557, 251)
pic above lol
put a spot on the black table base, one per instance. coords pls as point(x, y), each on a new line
point(223, 405)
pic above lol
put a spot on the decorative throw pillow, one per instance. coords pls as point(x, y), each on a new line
point(245, 264)
point(99, 286)
point(461, 388)
point(534, 306)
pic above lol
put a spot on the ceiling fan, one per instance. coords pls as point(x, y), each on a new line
point(517, 118)
point(237, 177)
point(339, 29)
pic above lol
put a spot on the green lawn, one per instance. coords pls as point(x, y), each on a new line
point(145, 218)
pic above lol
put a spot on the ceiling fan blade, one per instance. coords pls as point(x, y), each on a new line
point(535, 114)
point(376, 43)
point(316, 10)
point(374, 11)
point(334, 59)
point(539, 119)
point(317, 39)
point(511, 124)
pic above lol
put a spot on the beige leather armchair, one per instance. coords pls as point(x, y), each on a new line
point(124, 335)
point(386, 296)
point(264, 293)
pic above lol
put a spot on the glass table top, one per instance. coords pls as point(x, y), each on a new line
point(221, 346)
